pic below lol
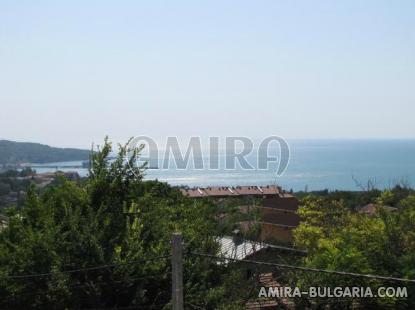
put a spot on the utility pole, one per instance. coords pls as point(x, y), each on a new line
point(177, 271)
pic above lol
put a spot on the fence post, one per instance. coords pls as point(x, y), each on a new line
point(177, 271)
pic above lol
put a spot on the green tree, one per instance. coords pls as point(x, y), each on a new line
point(337, 240)
point(114, 217)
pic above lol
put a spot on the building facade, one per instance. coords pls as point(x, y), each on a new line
point(277, 208)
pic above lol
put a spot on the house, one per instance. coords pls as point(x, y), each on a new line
point(279, 217)
point(268, 280)
point(233, 248)
point(371, 209)
point(238, 249)
point(277, 208)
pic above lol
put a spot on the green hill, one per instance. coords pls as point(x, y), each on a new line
point(24, 152)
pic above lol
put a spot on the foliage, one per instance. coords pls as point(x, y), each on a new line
point(113, 217)
point(337, 239)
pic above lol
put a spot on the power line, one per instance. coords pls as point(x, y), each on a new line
point(111, 284)
point(117, 283)
point(129, 307)
point(283, 248)
point(46, 274)
point(264, 246)
point(341, 273)
point(194, 306)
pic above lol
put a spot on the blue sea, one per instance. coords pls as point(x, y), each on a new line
point(313, 165)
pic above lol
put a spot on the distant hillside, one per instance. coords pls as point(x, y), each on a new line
point(23, 152)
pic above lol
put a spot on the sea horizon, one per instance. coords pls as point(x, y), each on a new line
point(315, 164)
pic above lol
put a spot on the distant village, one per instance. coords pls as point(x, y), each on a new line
point(13, 184)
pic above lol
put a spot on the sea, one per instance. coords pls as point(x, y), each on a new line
point(313, 165)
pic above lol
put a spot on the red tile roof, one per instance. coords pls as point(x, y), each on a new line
point(221, 191)
point(194, 192)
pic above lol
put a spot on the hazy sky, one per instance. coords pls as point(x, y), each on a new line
point(72, 72)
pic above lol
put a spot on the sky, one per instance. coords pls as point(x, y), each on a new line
point(72, 72)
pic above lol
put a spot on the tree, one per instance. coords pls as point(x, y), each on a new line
point(113, 218)
point(382, 244)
